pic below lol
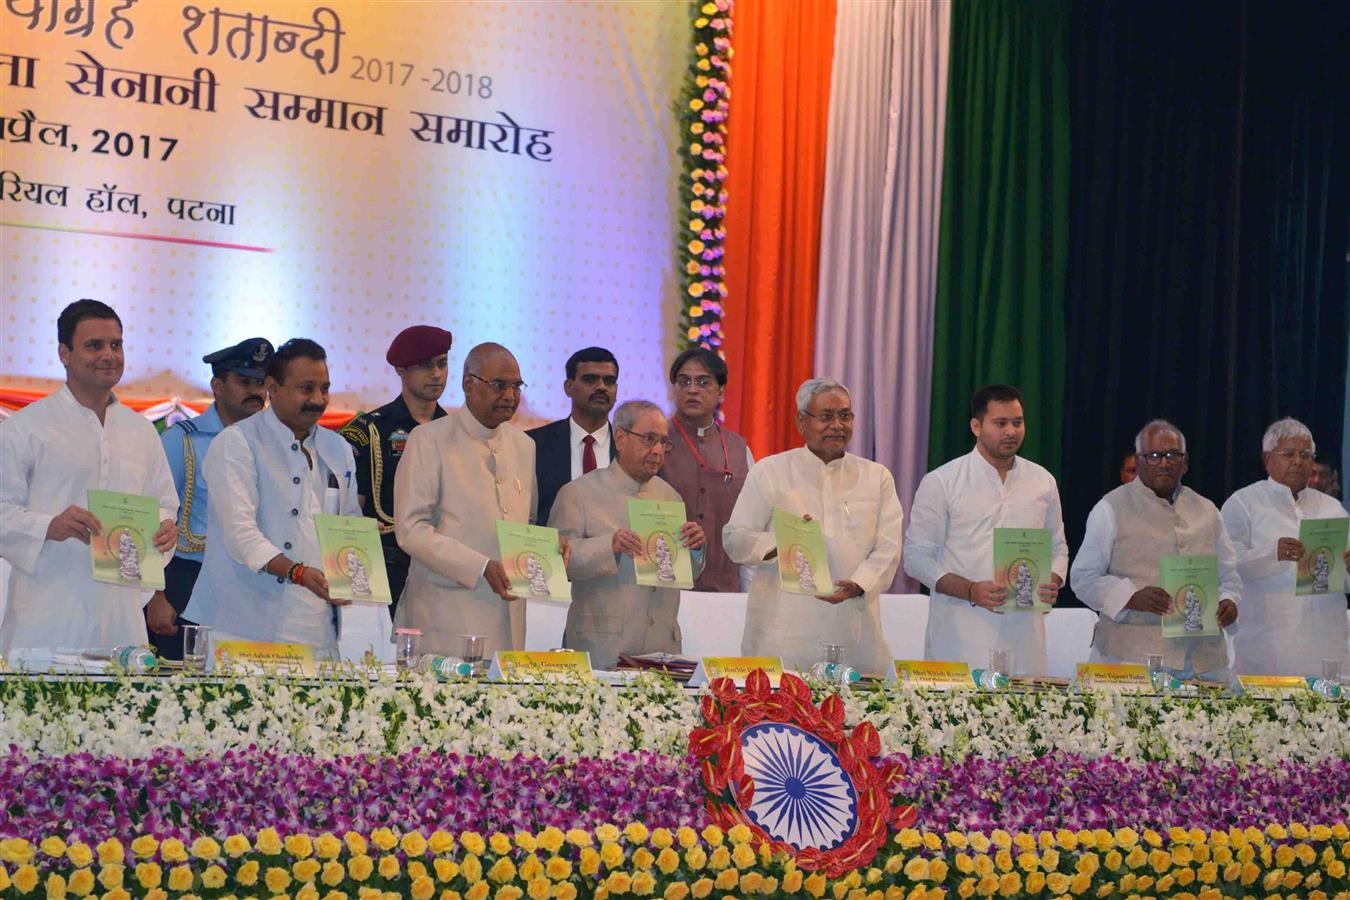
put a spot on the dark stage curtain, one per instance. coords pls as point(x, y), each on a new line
point(1209, 231)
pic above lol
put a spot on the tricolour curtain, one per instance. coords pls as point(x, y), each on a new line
point(780, 90)
point(1005, 200)
point(879, 240)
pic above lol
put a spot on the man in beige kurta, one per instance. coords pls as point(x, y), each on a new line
point(458, 476)
point(610, 612)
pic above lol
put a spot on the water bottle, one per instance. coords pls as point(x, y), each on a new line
point(133, 659)
point(989, 679)
point(1164, 682)
point(832, 669)
point(445, 668)
point(1324, 686)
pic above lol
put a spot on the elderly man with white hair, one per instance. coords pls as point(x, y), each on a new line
point(611, 613)
point(855, 502)
point(1281, 633)
point(1117, 571)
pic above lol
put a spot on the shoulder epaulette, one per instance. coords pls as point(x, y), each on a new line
point(355, 431)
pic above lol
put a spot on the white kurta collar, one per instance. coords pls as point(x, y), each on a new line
point(625, 482)
point(474, 428)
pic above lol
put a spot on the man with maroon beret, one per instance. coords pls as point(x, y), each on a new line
point(419, 354)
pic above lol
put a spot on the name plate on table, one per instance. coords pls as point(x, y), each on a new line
point(1273, 682)
point(527, 665)
point(1115, 677)
point(736, 668)
point(255, 657)
point(928, 673)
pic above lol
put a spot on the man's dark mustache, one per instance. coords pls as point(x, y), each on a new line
point(309, 407)
point(254, 398)
point(600, 395)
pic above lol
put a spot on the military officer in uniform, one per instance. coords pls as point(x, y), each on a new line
point(419, 354)
point(237, 385)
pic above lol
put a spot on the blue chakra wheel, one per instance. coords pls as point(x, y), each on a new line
point(803, 797)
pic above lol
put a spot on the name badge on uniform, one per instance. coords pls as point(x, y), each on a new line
point(397, 441)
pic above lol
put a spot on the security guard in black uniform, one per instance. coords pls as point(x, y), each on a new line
point(419, 355)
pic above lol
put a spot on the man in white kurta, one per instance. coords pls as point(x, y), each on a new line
point(855, 502)
point(52, 452)
point(1117, 569)
point(1281, 633)
point(459, 475)
point(949, 545)
point(610, 612)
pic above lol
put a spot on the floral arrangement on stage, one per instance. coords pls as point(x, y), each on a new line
point(410, 787)
point(381, 714)
point(676, 864)
point(703, 131)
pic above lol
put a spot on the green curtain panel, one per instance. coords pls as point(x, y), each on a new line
point(1004, 235)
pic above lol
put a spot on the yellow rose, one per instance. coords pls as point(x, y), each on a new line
point(268, 842)
point(611, 855)
point(539, 889)
point(917, 869)
point(360, 866)
point(180, 878)
point(677, 890)
point(445, 869)
point(247, 874)
point(356, 844)
point(978, 842)
point(727, 879)
point(644, 884)
point(471, 869)
point(618, 882)
point(479, 891)
point(236, 845)
point(172, 850)
point(413, 844)
point(1010, 884)
point(149, 874)
point(668, 861)
point(1126, 837)
point(388, 867)
point(500, 843)
point(473, 842)
point(1003, 859)
point(686, 837)
point(743, 856)
point(111, 851)
point(423, 888)
point(1035, 882)
point(563, 892)
point(384, 838)
point(53, 846)
point(643, 858)
point(1136, 857)
point(81, 882)
point(712, 835)
point(720, 859)
point(25, 879)
point(695, 858)
point(56, 884)
point(327, 846)
point(578, 837)
point(277, 879)
point(144, 846)
point(502, 871)
point(299, 845)
point(306, 870)
point(1057, 882)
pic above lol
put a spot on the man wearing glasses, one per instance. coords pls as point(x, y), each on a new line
point(584, 441)
point(1116, 571)
point(855, 502)
point(1282, 633)
point(459, 475)
point(707, 463)
point(949, 546)
point(610, 613)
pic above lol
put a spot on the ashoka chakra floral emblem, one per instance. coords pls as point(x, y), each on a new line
point(802, 795)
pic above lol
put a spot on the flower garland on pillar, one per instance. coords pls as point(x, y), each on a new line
point(703, 116)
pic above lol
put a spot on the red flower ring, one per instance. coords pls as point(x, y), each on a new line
point(774, 762)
